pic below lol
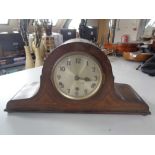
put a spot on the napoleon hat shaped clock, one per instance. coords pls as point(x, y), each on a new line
point(77, 77)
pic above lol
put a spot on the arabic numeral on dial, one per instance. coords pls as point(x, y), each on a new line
point(68, 62)
point(62, 68)
point(77, 88)
point(58, 77)
point(78, 60)
point(93, 69)
point(61, 85)
point(85, 91)
point(87, 63)
point(68, 90)
point(76, 93)
point(93, 85)
point(95, 78)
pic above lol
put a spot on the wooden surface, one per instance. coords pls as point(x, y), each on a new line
point(106, 100)
point(137, 56)
point(59, 123)
point(122, 47)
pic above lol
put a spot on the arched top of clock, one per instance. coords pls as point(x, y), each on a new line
point(85, 47)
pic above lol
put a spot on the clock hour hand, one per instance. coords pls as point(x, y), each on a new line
point(81, 78)
point(87, 79)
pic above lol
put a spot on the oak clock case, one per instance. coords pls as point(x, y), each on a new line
point(68, 85)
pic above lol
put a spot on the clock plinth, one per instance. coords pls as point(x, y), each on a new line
point(111, 97)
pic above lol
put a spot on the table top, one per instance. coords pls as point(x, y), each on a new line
point(64, 123)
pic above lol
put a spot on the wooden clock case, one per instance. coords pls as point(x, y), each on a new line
point(110, 98)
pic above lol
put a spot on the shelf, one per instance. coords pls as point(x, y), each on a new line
point(12, 65)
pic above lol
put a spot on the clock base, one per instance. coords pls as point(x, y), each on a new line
point(124, 100)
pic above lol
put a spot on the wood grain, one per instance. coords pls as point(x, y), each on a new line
point(110, 98)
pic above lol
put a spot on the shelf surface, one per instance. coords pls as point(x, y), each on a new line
point(56, 123)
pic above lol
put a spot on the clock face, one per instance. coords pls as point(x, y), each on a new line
point(77, 75)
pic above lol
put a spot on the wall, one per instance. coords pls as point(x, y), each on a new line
point(59, 25)
point(13, 25)
point(141, 29)
point(126, 26)
point(92, 22)
point(149, 27)
point(10, 27)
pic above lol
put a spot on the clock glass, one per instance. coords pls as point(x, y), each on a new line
point(77, 75)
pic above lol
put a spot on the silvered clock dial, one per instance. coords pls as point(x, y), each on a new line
point(77, 75)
